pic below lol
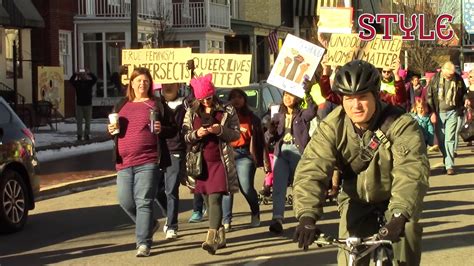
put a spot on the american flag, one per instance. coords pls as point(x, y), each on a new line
point(273, 41)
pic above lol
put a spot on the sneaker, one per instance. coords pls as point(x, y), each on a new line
point(196, 217)
point(143, 251)
point(156, 226)
point(450, 171)
point(276, 226)
point(227, 227)
point(171, 234)
point(255, 220)
point(165, 227)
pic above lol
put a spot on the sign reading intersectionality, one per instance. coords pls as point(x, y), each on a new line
point(166, 65)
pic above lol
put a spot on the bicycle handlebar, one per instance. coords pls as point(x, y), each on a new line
point(351, 241)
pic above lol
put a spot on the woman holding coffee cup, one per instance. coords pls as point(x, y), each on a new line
point(140, 151)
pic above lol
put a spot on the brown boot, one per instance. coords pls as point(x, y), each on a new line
point(211, 244)
point(221, 242)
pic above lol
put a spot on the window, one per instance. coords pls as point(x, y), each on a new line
point(11, 36)
point(193, 44)
point(65, 53)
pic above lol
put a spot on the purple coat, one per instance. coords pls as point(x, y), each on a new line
point(299, 127)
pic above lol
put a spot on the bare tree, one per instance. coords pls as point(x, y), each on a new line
point(162, 23)
point(426, 55)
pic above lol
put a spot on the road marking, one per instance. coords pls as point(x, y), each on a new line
point(257, 261)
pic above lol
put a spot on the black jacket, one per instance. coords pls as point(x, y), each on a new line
point(83, 89)
point(168, 130)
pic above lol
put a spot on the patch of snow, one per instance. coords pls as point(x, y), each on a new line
point(51, 155)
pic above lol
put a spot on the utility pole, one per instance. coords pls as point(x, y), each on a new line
point(15, 79)
point(134, 24)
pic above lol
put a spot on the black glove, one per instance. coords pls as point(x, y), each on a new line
point(393, 229)
point(306, 232)
point(308, 84)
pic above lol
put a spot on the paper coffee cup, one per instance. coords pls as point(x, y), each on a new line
point(114, 119)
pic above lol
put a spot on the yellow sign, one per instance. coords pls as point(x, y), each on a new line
point(166, 65)
point(228, 70)
point(335, 20)
point(51, 86)
point(344, 48)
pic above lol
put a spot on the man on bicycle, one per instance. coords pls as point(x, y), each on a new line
point(384, 166)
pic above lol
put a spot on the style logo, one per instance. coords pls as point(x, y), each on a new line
point(417, 24)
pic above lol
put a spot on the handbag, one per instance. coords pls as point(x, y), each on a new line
point(194, 162)
point(467, 130)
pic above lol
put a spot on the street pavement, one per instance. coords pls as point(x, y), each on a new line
point(90, 228)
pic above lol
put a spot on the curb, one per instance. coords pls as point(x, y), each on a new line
point(75, 186)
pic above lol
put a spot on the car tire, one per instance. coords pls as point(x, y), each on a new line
point(13, 202)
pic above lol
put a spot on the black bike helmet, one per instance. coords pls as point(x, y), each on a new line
point(357, 77)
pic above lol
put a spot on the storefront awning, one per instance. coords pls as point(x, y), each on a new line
point(23, 14)
point(305, 8)
point(4, 17)
point(30, 14)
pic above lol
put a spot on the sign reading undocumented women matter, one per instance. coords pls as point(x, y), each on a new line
point(297, 59)
point(228, 70)
point(344, 48)
point(165, 65)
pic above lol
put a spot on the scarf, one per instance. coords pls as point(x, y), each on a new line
point(449, 96)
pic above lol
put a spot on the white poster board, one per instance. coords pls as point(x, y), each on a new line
point(297, 59)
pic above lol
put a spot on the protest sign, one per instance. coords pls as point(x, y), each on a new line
point(51, 86)
point(166, 65)
point(297, 59)
point(228, 70)
point(335, 20)
point(344, 48)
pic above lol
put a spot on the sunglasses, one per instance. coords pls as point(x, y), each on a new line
point(386, 71)
point(206, 99)
point(471, 77)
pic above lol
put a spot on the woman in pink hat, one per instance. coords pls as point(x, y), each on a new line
point(209, 127)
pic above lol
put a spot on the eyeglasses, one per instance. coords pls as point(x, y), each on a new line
point(206, 99)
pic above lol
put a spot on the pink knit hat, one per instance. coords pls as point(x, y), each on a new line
point(203, 87)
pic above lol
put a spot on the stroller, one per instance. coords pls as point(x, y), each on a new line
point(265, 194)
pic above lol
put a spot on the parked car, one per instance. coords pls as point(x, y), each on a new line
point(18, 182)
point(260, 97)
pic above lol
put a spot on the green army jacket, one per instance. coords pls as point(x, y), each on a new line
point(397, 174)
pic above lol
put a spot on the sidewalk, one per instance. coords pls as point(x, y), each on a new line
point(55, 145)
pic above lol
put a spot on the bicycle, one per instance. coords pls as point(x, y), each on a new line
point(358, 248)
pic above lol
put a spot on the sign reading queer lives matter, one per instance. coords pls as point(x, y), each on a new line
point(228, 70)
point(297, 59)
point(165, 65)
point(344, 48)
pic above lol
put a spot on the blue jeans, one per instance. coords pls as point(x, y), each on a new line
point(172, 177)
point(283, 172)
point(246, 174)
point(446, 133)
point(136, 188)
